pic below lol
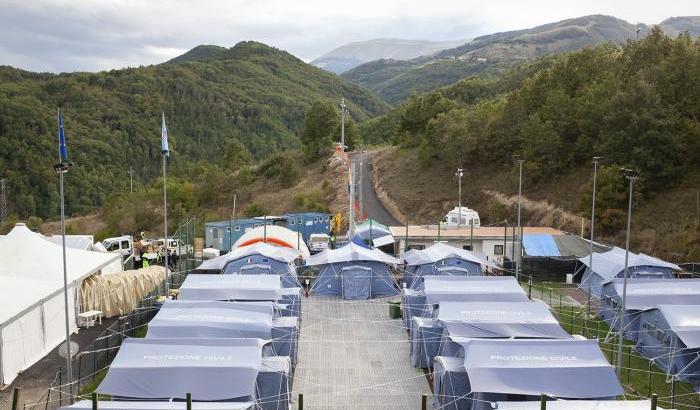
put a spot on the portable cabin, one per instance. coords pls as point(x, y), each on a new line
point(209, 369)
point(438, 289)
point(670, 336)
point(257, 259)
point(644, 294)
point(308, 223)
point(247, 320)
point(610, 265)
point(488, 320)
point(442, 260)
point(354, 272)
point(489, 371)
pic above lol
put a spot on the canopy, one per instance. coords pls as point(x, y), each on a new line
point(440, 251)
point(231, 287)
point(210, 369)
point(84, 242)
point(276, 236)
point(500, 319)
point(684, 321)
point(351, 252)
point(277, 253)
point(211, 319)
point(379, 234)
point(609, 264)
point(540, 245)
point(31, 291)
point(577, 405)
point(556, 368)
point(647, 293)
point(473, 288)
point(160, 405)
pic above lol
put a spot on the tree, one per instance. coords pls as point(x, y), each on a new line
point(236, 154)
point(320, 121)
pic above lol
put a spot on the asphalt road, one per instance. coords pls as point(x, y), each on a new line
point(371, 205)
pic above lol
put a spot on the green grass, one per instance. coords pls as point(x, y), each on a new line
point(639, 378)
point(141, 331)
point(89, 388)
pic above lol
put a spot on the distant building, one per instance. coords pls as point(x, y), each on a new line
point(222, 234)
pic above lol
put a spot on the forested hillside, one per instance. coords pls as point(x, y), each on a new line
point(494, 54)
point(223, 106)
point(638, 105)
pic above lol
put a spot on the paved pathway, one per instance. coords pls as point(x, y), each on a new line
point(352, 356)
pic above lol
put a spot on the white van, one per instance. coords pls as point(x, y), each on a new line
point(469, 218)
point(318, 242)
point(121, 244)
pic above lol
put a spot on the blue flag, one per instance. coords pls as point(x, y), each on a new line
point(62, 150)
point(164, 139)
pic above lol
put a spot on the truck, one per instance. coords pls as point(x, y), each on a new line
point(469, 218)
point(120, 244)
point(175, 246)
point(318, 242)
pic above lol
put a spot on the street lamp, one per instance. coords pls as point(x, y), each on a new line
point(343, 112)
point(520, 228)
point(459, 174)
point(631, 176)
point(590, 258)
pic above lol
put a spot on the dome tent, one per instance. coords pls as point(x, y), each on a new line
point(442, 260)
point(354, 272)
point(274, 235)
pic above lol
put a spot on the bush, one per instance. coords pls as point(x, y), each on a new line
point(254, 209)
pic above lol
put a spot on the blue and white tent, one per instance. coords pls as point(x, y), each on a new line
point(259, 258)
point(577, 405)
point(442, 260)
point(437, 289)
point(644, 294)
point(177, 319)
point(489, 320)
point(159, 405)
point(241, 288)
point(490, 371)
point(610, 265)
point(211, 369)
point(354, 272)
point(372, 234)
point(670, 336)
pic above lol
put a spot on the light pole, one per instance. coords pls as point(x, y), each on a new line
point(131, 180)
point(165, 151)
point(637, 30)
point(459, 174)
point(590, 258)
point(343, 111)
point(632, 176)
point(520, 229)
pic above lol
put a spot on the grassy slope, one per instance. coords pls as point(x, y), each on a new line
point(663, 224)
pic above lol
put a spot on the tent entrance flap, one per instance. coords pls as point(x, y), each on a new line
point(357, 282)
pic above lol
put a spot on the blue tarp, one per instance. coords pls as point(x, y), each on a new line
point(540, 245)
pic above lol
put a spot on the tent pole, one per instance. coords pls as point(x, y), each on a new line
point(590, 259)
point(165, 225)
point(69, 366)
point(631, 178)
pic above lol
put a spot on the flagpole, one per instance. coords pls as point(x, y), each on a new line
point(165, 152)
point(61, 168)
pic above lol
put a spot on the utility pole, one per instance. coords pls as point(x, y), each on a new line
point(3, 200)
point(360, 188)
point(637, 30)
point(351, 210)
point(131, 179)
point(459, 174)
point(520, 229)
point(590, 257)
point(632, 176)
point(343, 111)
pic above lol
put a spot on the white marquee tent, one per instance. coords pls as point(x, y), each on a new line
point(32, 319)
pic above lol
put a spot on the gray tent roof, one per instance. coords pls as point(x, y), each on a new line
point(440, 251)
point(349, 253)
point(684, 321)
point(277, 253)
point(217, 319)
point(577, 405)
point(160, 405)
point(210, 369)
point(500, 319)
point(609, 264)
point(228, 287)
point(647, 293)
point(557, 368)
point(473, 288)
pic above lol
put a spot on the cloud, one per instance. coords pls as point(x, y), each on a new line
point(90, 35)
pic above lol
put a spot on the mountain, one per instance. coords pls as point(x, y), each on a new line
point(494, 53)
point(351, 55)
point(249, 97)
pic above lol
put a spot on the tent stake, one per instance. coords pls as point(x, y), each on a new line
point(15, 398)
point(543, 402)
point(653, 401)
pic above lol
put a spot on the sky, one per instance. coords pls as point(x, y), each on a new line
point(94, 35)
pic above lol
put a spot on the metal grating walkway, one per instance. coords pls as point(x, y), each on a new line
point(352, 356)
